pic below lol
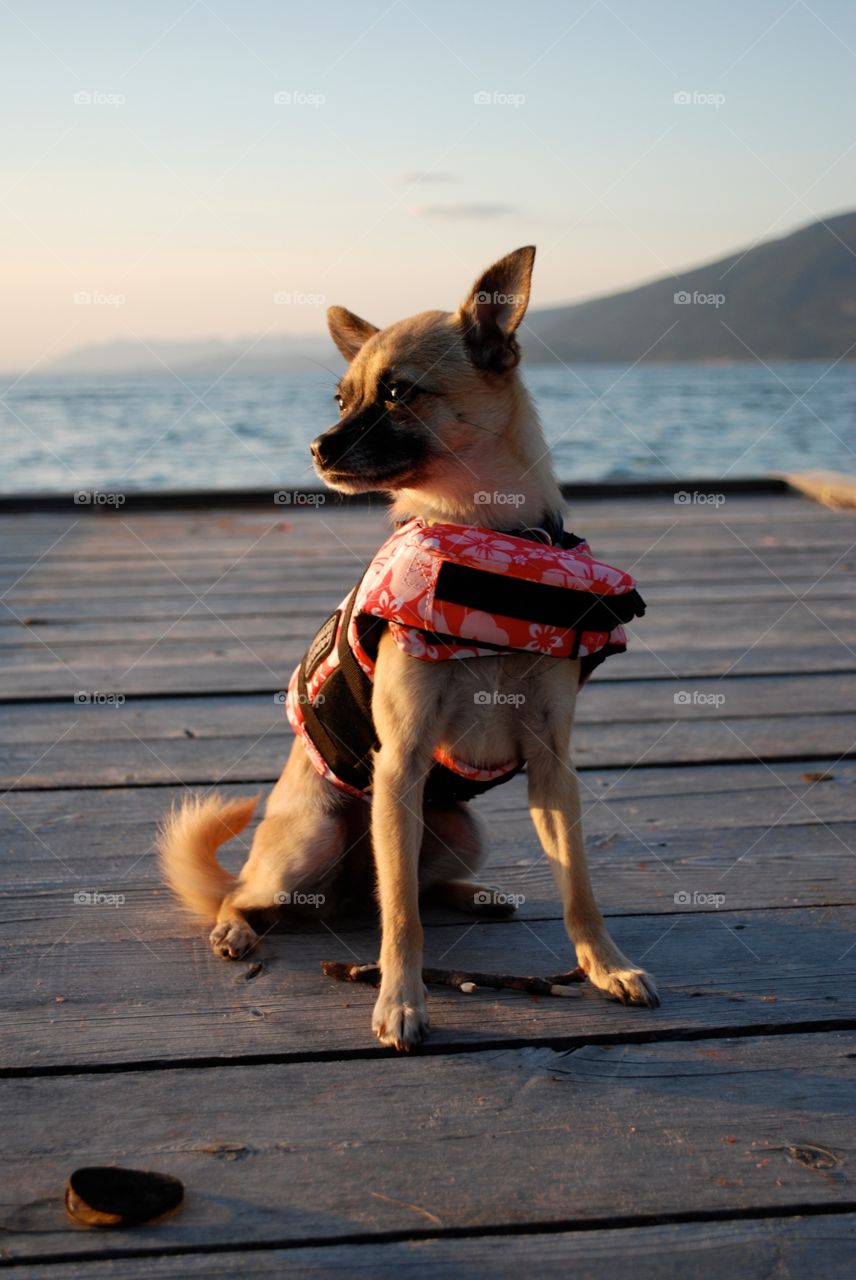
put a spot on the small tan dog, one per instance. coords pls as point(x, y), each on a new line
point(433, 411)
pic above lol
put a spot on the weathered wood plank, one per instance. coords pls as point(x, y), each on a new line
point(602, 703)
point(262, 558)
point(764, 512)
point(144, 623)
point(174, 534)
point(232, 668)
point(87, 985)
point(630, 508)
point(125, 757)
point(763, 846)
point(646, 530)
point(138, 533)
point(674, 571)
point(328, 1149)
point(187, 625)
point(702, 788)
point(204, 534)
point(247, 562)
point(821, 1245)
point(287, 591)
point(641, 870)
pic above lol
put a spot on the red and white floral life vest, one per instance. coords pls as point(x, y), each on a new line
point(450, 592)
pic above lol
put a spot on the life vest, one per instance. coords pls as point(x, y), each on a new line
point(447, 592)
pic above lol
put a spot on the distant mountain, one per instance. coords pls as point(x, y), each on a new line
point(787, 299)
point(205, 356)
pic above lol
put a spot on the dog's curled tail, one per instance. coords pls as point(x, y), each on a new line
point(187, 842)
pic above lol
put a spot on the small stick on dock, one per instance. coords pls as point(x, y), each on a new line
point(560, 984)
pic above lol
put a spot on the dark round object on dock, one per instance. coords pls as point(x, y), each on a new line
point(107, 1196)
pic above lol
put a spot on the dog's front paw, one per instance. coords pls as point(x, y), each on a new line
point(616, 976)
point(400, 1019)
point(630, 985)
point(232, 939)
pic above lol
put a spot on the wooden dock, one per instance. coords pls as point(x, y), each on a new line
point(143, 652)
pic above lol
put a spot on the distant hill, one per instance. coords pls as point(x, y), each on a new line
point(204, 356)
point(787, 299)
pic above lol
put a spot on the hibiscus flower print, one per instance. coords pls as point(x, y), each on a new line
point(546, 639)
point(473, 544)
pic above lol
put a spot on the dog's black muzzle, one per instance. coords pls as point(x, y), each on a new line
point(371, 445)
point(332, 448)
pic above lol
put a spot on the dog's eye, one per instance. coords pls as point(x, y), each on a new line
point(397, 392)
point(339, 401)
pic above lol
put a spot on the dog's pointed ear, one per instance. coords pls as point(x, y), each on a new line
point(494, 309)
point(348, 331)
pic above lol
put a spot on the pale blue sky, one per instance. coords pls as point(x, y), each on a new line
point(185, 190)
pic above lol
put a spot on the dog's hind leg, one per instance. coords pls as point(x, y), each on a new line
point(297, 855)
point(233, 935)
point(453, 850)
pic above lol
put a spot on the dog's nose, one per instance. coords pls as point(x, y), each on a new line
point(328, 448)
point(318, 449)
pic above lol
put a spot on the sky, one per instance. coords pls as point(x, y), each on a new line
point(219, 168)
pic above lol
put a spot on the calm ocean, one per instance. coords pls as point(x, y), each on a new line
point(251, 431)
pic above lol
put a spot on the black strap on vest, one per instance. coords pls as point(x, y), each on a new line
point(339, 722)
point(508, 597)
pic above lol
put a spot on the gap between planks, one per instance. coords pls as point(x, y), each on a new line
point(576, 1227)
point(566, 1044)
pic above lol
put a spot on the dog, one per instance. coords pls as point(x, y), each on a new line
point(432, 411)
